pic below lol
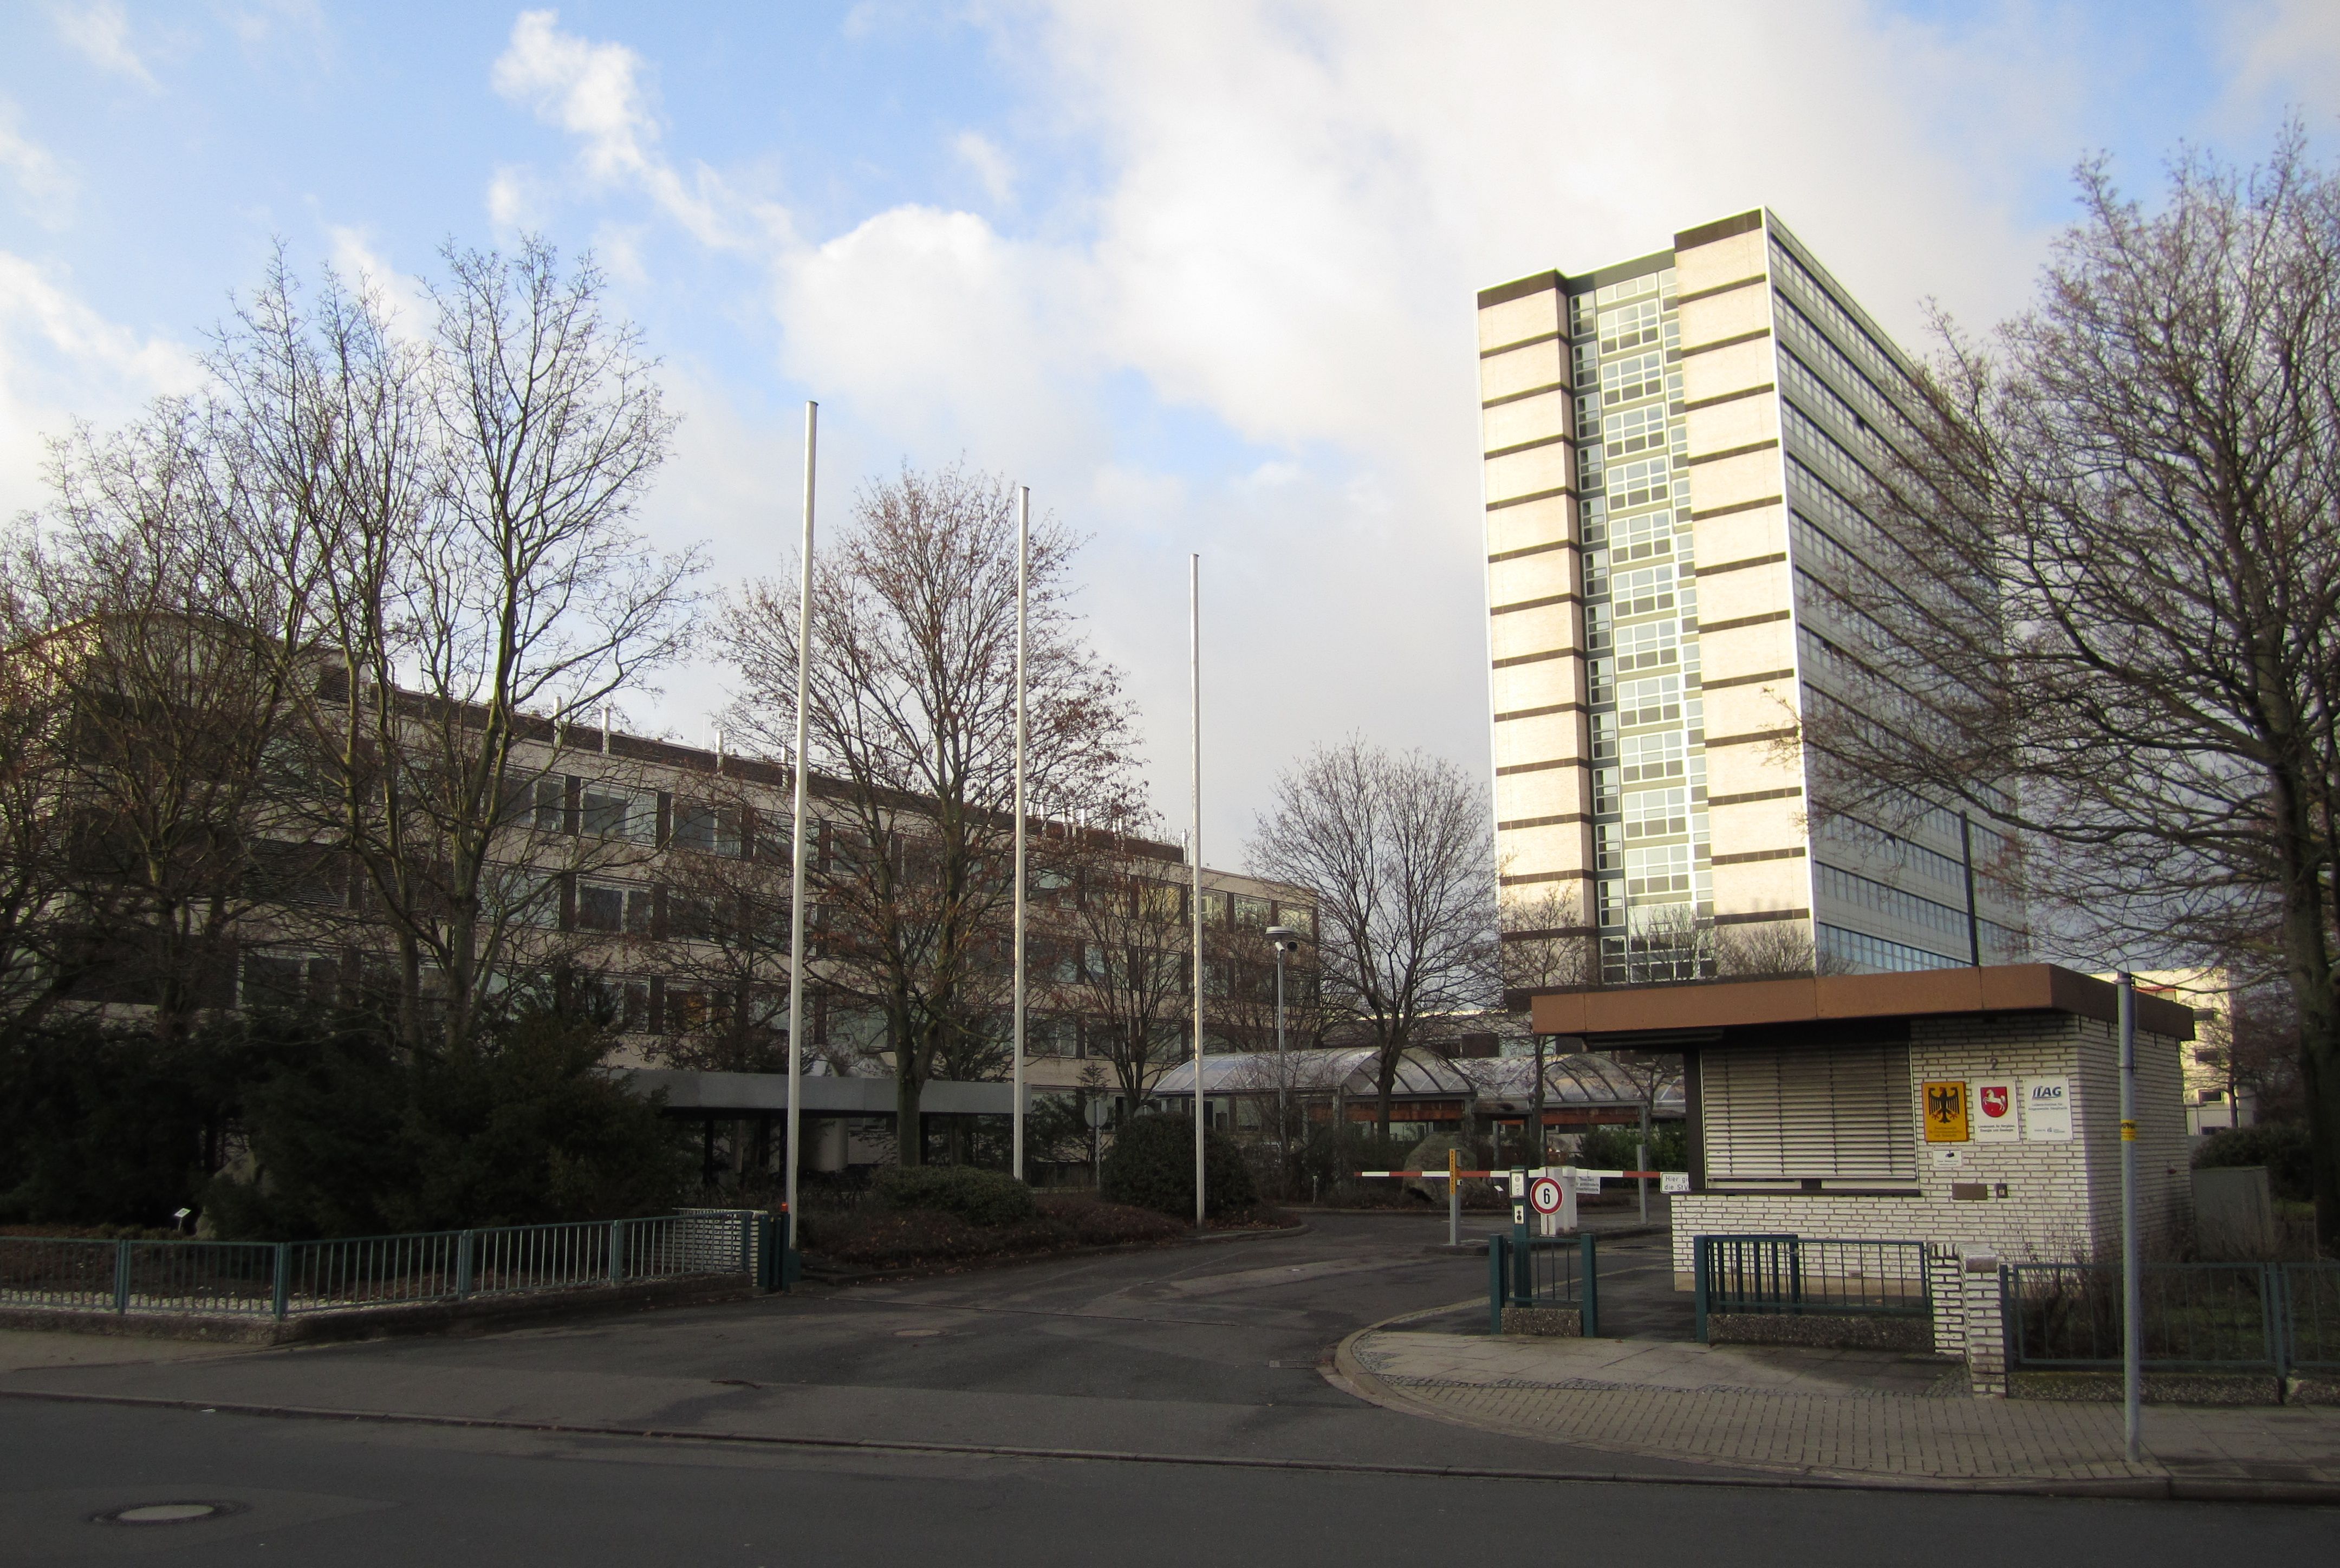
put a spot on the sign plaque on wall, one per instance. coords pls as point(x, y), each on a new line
point(2048, 1110)
point(1998, 1111)
point(1945, 1103)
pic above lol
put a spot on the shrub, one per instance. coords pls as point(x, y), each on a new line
point(917, 1238)
point(1611, 1147)
point(2281, 1147)
point(1152, 1165)
point(966, 1192)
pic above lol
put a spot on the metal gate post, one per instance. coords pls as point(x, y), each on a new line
point(462, 1265)
point(121, 1277)
point(1589, 1289)
point(617, 1248)
point(1698, 1282)
point(1497, 1243)
point(284, 1284)
point(2276, 1312)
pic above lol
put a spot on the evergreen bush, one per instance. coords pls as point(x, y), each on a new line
point(2281, 1147)
point(1152, 1165)
point(975, 1195)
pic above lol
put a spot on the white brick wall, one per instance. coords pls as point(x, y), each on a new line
point(2062, 1200)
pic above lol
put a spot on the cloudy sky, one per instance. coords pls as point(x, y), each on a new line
point(1201, 274)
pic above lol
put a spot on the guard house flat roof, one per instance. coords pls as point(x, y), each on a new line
point(1626, 1015)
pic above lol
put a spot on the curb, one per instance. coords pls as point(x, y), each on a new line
point(1349, 1373)
point(2144, 1490)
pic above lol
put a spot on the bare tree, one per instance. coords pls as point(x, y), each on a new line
point(912, 717)
point(722, 932)
point(474, 486)
point(161, 627)
point(1546, 945)
point(1396, 852)
point(1115, 950)
point(2105, 579)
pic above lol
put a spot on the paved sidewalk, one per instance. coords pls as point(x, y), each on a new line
point(1838, 1414)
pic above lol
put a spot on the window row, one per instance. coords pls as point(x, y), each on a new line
point(1820, 303)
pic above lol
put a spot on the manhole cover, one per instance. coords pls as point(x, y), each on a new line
point(166, 1512)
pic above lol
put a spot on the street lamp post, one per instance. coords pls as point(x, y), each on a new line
point(1285, 939)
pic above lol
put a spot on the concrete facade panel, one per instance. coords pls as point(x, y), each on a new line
point(1754, 826)
point(1555, 792)
point(1530, 418)
point(1751, 591)
point(1529, 524)
point(1542, 684)
point(1532, 630)
point(1726, 371)
point(1720, 317)
point(1720, 262)
point(1542, 738)
point(1530, 315)
point(1517, 370)
point(1739, 536)
point(1525, 577)
point(1735, 480)
point(1759, 887)
point(1725, 427)
point(1530, 473)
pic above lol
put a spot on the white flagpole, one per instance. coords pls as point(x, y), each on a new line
point(796, 831)
point(1195, 851)
point(1023, 574)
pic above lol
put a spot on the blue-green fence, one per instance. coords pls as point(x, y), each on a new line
point(1800, 1274)
point(2236, 1317)
point(285, 1279)
point(1548, 1271)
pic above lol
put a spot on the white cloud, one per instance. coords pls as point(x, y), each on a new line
point(101, 32)
point(1290, 209)
point(59, 361)
point(989, 165)
point(46, 188)
point(354, 256)
point(594, 92)
point(2286, 50)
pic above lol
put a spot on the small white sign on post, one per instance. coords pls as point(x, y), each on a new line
point(2047, 1110)
point(1998, 1112)
point(1674, 1181)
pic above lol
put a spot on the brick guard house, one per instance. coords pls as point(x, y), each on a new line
point(1977, 1108)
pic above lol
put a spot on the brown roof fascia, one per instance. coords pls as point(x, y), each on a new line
point(1926, 993)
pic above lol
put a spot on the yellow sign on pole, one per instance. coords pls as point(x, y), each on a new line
point(1945, 1111)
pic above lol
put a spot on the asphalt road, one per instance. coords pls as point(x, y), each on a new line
point(1192, 1353)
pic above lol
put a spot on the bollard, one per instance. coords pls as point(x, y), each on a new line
point(1453, 1197)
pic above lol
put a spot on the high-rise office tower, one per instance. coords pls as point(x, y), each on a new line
point(1678, 452)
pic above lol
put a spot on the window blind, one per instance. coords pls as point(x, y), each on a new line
point(1771, 1112)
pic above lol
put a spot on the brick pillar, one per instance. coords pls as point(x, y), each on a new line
point(1985, 1329)
point(1945, 1283)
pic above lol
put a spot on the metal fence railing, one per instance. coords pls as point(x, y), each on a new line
point(1809, 1275)
point(284, 1279)
point(1548, 1271)
point(2238, 1318)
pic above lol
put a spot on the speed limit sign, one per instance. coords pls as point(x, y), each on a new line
point(1544, 1195)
